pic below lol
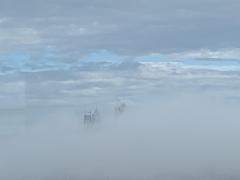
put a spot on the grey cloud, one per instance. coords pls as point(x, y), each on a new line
point(131, 27)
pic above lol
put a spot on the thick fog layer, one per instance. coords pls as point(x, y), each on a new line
point(179, 123)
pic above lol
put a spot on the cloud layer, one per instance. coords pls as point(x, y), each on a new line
point(129, 27)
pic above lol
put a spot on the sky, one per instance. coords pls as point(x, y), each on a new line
point(175, 64)
point(68, 31)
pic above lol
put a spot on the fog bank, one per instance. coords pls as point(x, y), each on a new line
point(192, 136)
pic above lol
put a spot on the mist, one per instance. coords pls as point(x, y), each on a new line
point(182, 136)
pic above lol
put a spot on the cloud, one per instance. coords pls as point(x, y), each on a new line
point(54, 84)
point(127, 27)
point(233, 53)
